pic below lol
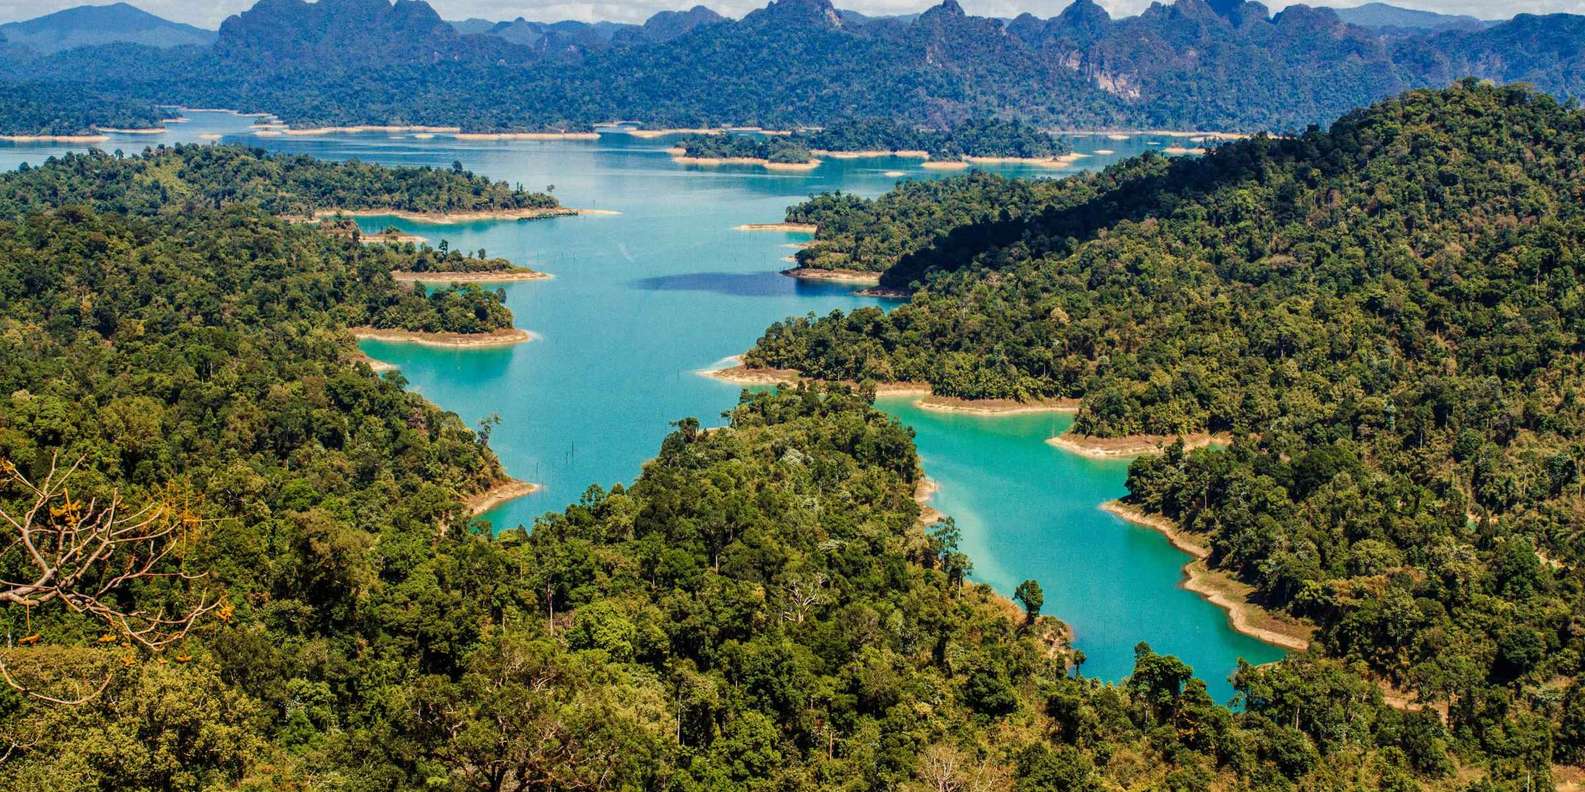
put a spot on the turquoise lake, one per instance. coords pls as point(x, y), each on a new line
point(644, 300)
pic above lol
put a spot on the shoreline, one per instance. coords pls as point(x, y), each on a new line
point(522, 135)
point(55, 138)
point(954, 404)
point(682, 159)
point(448, 218)
point(398, 238)
point(945, 165)
point(508, 490)
point(834, 275)
point(494, 338)
point(1219, 588)
point(788, 228)
point(1124, 134)
point(1129, 446)
point(359, 128)
point(1057, 161)
point(871, 154)
point(486, 276)
point(921, 392)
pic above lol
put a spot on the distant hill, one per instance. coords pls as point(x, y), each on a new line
point(1190, 64)
point(86, 26)
point(1381, 15)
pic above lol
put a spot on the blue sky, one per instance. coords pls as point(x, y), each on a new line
point(209, 13)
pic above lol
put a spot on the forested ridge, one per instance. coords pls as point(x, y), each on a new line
point(169, 179)
point(1187, 64)
point(1385, 318)
point(66, 109)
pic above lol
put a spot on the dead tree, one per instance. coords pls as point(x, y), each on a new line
point(83, 554)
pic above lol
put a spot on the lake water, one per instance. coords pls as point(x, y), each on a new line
point(643, 300)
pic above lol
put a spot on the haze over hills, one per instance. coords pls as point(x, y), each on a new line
point(1192, 64)
point(86, 26)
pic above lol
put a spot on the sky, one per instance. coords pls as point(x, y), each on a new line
point(209, 13)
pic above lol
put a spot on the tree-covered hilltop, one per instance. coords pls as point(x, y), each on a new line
point(183, 177)
point(874, 234)
point(974, 137)
point(1387, 318)
point(69, 110)
point(778, 149)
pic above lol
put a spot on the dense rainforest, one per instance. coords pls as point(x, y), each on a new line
point(1188, 64)
point(186, 177)
point(776, 149)
point(1384, 320)
point(65, 109)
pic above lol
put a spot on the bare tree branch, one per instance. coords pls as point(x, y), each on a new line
point(83, 553)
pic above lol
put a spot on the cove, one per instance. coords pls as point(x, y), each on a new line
point(643, 300)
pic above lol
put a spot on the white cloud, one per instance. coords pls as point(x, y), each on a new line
point(209, 13)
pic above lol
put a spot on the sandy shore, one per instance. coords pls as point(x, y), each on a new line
point(871, 154)
point(1125, 134)
point(1059, 161)
point(378, 366)
point(833, 275)
point(136, 131)
point(526, 135)
point(494, 338)
point(944, 165)
point(511, 489)
point(995, 406)
point(682, 159)
point(344, 130)
point(926, 400)
point(499, 276)
point(54, 138)
point(391, 238)
point(790, 228)
point(1130, 446)
point(649, 134)
point(1220, 588)
point(210, 136)
point(446, 218)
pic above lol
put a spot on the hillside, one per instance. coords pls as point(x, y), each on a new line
point(1187, 65)
point(88, 26)
point(1383, 321)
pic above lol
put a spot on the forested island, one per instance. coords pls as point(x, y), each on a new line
point(774, 151)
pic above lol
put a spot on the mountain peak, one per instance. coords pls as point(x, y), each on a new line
point(89, 25)
point(805, 12)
